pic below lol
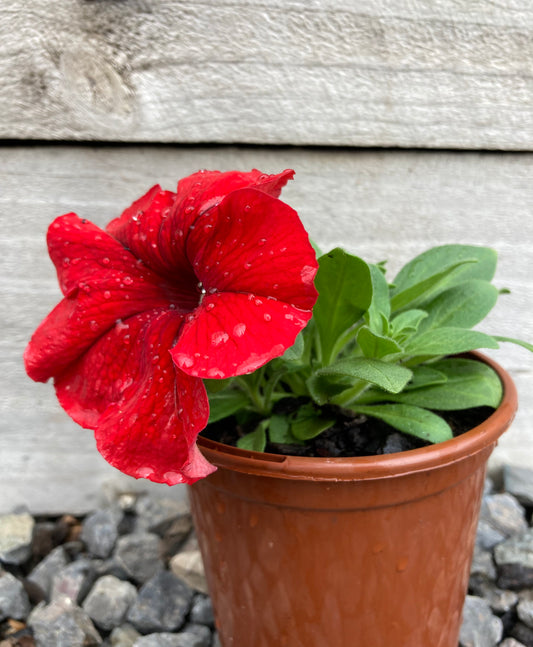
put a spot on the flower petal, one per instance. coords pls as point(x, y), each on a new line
point(254, 243)
point(232, 334)
point(152, 228)
point(103, 283)
point(204, 189)
point(156, 226)
point(145, 412)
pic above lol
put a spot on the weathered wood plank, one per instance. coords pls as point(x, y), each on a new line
point(379, 205)
point(337, 72)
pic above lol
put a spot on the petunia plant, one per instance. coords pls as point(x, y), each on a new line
point(208, 303)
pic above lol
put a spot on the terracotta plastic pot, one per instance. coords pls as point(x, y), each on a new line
point(349, 552)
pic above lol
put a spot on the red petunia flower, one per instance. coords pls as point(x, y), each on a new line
point(212, 281)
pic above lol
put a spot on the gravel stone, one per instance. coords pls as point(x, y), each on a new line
point(525, 612)
point(63, 624)
point(509, 642)
point(514, 559)
point(161, 605)
point(501, 517)
point(480, 627)
point(519, 482)
point(108, 601)
point(523, 634)
point(124, 636)
point(14, 601)
point(189, 567)
point(16, 532)
point(483, 564)
point(100, 531)
point(192, 636)
point(42, 575)
point(158, 515)
point(73, 580)
point(139, 555)
point(202, 611)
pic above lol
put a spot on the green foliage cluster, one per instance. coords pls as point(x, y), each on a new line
point(387, 351)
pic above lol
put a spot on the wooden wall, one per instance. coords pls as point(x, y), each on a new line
point(332, 88)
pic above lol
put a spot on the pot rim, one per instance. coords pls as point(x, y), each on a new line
point(373, 467)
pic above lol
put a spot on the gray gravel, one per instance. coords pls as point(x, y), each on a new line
point(130, 575)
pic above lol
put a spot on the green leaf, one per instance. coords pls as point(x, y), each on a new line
point(214, 386)
point(390, 377)
point(407, 321)
point(409, 419)
point(469, 383)
point(519, 342)
point(226, 403)
point(379, 310)
point(279, 429)
point(344, 287)
point(323, 388)
point(462, 306)
point(427, 288)
point(256, 440)
point(448, 341)
point(294, 353)
point(310, 428)
point(435, 260)
point(425, 376)
point(374, 345)
point(308, 422)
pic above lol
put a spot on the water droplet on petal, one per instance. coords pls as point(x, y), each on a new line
point(267, 317)
point(262, 241)
point(239, 329)
point(93, 325)
point(210, 306)
point(189, 209)
point(128, 280)
point(215, 373)
point(258, 302)
point(219, 337)
point(105, 261)
point(247, 266)
point(107, 294)
point(144, 472)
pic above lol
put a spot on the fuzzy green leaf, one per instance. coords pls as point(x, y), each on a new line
point(424, 376)
point(411, 420)
point(256, 440)
point(379, 310)
point(390, 377)
point(376, 346)
point(278, 429)
point(294, 353)
point(440, 268)
point(407, 321)
point(462, 306)
point(308, 422)
point(469, 383)
point(448, 341)
point(226, 403)
point(518, 342)
point(436, 259)
point(344, 287)
point(420, 292)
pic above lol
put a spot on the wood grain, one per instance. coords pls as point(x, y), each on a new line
point(378, 205)
point(445, 74)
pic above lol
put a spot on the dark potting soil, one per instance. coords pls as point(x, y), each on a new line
point(351, 435)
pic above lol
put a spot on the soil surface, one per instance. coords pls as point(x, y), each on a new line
point(351, 435)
